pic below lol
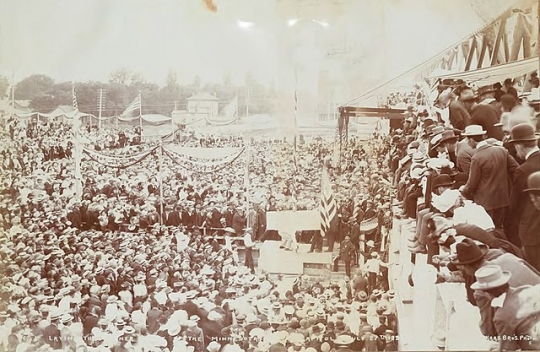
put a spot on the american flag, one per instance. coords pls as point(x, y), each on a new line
point(75, 105)
point(135, 104)
point(328, 206)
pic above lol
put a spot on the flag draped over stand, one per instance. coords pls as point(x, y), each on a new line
point(328, 206)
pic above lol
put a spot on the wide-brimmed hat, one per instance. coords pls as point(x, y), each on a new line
point(343, 340)
point(362, 296)
point(468, 252)
point(448, 136)
point(490, 276)
point(229, 229)
point(533, 182)
point(467, 95)
point(473, 130)
point(419, 157)
point(436, 131)
point(486, 89)
point(523, 132)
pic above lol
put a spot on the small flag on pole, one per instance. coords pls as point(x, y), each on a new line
point(74, 96)
point(328, 206)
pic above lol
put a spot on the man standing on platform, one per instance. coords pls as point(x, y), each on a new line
point(248, 243)
point(260, 222)
point(345, 253)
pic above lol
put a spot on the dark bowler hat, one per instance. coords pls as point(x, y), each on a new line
point(468, 252)
point(443, 180)
point(523, 132)
point(533, 182)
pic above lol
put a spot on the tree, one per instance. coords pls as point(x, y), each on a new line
point(33, 87)
point(121, 76)
point(4, 86)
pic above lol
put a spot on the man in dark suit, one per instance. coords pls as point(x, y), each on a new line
point(75, 216)
point(526, 144)
point(458, 115)
point(228, 215)
point(51, 334)
point(484, 115)
point(492, 169)
point(188, 216)
point(261, 221)
point(346, 250)
point(175, 217)
point(529, 227)
point(516, 309)
point(216, 214)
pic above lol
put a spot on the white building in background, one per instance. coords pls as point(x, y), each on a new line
point(202, 105)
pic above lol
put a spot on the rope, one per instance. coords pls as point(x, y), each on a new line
point(171, 156)
point(121, 166)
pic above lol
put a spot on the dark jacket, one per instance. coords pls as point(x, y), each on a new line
point(492, 170)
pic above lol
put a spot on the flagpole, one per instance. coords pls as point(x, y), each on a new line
point(100, 107)
point(246, 181)
point(77, 146)
point(140, 113)
point(12, 93)
point(160, 183)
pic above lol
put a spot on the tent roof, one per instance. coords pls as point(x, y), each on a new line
point(155, 118)
point(494, 74)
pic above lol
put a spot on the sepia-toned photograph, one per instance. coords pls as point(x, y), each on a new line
point(269, 175)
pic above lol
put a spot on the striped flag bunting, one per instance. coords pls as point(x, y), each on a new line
point(328, 206)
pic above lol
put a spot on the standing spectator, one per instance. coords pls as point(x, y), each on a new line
point(526, 144)
point(248, 243)
point(492, 169)
point(484, 115)
point(530, 226)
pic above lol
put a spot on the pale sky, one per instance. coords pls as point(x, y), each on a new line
point(87, 40)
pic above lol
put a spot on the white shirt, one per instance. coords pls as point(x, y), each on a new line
point(373, 265)
point(474, 214)
point(530, 153)
point(248, 242)
point(498, 302)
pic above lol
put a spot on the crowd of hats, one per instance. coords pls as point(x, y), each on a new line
point(106, 285)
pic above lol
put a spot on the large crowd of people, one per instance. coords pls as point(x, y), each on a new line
point(120, 270)
point(467, 179)
point(157, 254)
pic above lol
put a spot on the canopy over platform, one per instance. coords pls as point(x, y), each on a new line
point(493, 74)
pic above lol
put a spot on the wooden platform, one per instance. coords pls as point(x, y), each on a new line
point(272, 259)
